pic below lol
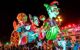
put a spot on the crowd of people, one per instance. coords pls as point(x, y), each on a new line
point(61, 43)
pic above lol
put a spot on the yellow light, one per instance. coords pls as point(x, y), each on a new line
point(60, 19)
point(56, 19)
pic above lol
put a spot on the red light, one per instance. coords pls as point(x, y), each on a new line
point(54, 2)
point(62, 28)
point(69, 25)
point(65, 27)
point(73, 25)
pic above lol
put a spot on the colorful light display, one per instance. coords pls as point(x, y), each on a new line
point(27, 32)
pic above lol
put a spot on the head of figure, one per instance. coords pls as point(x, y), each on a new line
point(54, 11)
point(36, 20)
point(21, 17)
point(27, 27)
point(42, 17)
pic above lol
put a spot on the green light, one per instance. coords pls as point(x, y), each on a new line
point(7, 43)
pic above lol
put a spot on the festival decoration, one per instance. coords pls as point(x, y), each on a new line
point(42, 18)
point(14, 39)
point(14, 25)
point(52, 10)
point(26, 32)
point(20, 16)
point(36, 20)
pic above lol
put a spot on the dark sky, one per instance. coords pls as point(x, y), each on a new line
point(69, 10)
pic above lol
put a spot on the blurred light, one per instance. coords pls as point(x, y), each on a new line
point(7, 43)
point(54, 2)
point(69, 25)
point(56, 19)
point(60, 20)
point(73, 25)
point(65, 27)
point(62, 28)
point(59, 17)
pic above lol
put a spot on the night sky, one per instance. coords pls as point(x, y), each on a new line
point(69, 10)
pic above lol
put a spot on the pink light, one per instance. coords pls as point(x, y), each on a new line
point(73, 25)
point(65, 27)
point(62, 28)
point(69, 25)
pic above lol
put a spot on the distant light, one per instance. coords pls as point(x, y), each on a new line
point(65, 27)
point(7, 43)
point(69, 25)
point(62, 28)
point(60, 20)
point(73, 25)
point(57, 20)
point(59, 17)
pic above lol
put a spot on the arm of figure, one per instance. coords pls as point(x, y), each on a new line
point(46, 25)
point(30, 17)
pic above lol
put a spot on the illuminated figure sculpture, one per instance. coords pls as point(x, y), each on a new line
point(18, 32)
point(26, 31)
point(53, 11)
point(43, 28)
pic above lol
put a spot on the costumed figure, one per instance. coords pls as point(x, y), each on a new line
point(17, 33)
point(31, 32)
point(22, 31)
point(53, 11)
point(43, 28)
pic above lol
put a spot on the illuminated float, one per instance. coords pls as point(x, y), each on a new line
point(26, 30)
point(53, 30)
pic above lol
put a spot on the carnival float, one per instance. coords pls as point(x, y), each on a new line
point(26, 30)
